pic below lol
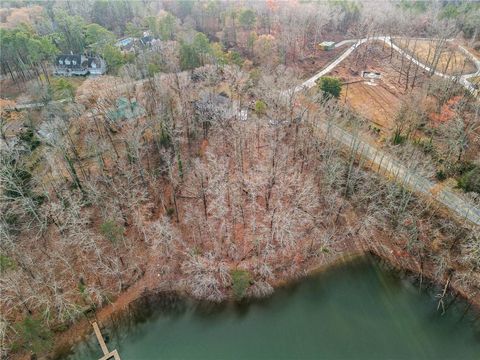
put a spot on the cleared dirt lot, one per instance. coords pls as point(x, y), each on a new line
point(374, 102)
point(378, 102)
point(451, 60)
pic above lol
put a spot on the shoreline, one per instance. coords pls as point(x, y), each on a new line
point(80, 330)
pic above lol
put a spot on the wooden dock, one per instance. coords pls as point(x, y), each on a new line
point(106, 354)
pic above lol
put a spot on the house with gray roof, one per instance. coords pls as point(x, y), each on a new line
point(75, 64)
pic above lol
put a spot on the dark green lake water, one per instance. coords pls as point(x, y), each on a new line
point(356, 311)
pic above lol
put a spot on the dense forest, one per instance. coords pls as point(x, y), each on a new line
point(196, 165)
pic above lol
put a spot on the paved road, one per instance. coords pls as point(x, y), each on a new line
point(464, 78)
point(386, 165)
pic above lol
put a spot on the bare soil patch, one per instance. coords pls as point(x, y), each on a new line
point(377, 100)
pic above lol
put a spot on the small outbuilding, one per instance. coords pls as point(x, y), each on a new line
point(326, 45)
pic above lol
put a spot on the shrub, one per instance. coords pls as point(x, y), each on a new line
point(170, 212)
point(254, 76)
point(29, 138)
point(440, 175)
point(63, 88)
point(112, 231)
point(260, 107)
point(463, 167)
point(180, 166)
point(152, 69)
point(398, 138)
point(235, 58)
point(165, 139)
point(6, 263)
point(82, 288)
point(33, 335)
point(241, 280)
point(470, 180)
point(426, 145)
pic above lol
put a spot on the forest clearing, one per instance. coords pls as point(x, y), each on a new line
point(373, 101)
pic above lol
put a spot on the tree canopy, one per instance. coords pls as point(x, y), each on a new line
point(247, 18)
point(23, 51)
point(330, 86)
point(195, 54)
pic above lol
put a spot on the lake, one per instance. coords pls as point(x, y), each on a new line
point(359, 310)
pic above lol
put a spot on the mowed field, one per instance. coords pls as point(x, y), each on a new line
point(452, 61)
point(375, 103)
